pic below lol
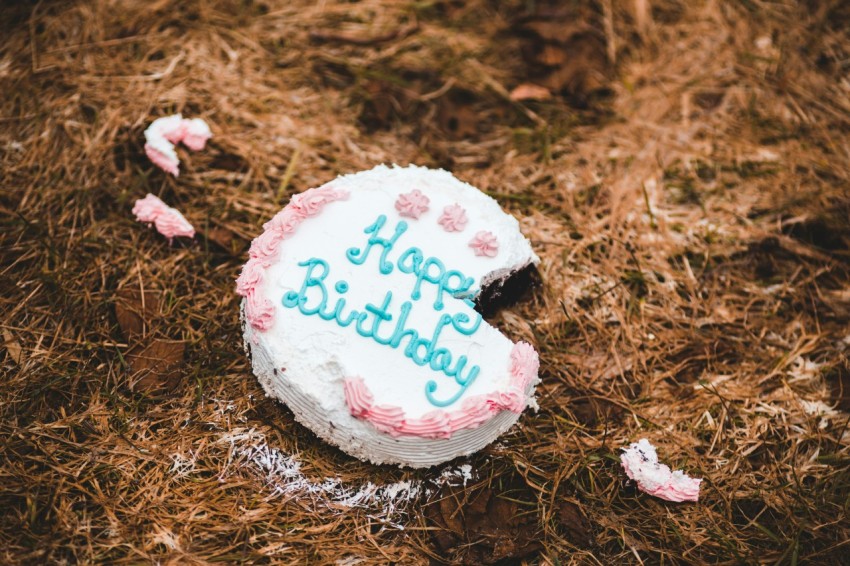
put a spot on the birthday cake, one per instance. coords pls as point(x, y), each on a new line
point(359, 313)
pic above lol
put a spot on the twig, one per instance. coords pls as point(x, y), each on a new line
point(503, 92)
point(93, 44)
point(648, 206)
point(33, 49)
point(290, 171)
point(398, 33)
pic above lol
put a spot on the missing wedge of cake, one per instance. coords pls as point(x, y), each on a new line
point(360, 309)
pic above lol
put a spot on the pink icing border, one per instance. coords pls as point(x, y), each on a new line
point(439, 423)
point(259, 311)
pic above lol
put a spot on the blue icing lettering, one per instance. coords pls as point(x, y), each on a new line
point(358, 256)
point(299, 299)
point(312, 299)
point(415, 255)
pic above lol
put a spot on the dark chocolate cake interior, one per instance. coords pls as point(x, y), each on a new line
point(507, 291)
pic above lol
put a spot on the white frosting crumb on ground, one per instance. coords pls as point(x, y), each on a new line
point(281, 473)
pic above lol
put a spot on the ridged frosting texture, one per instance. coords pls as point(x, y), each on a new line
point(168, 221)
point(453, 218)
point(362, 395)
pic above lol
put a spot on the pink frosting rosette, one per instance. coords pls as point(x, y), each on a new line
point(310, 203)
point(285, 222)
point(453, 218)
point(357, 397)
point(412, 204)
point(484, 244)
point(434, 424)
point(259, 311)
point(386, 418)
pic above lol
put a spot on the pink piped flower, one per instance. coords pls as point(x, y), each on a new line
point(524, 365)
point(474, 411)
point(358, 397)
point(386, 418)
point(412, 204)
point(168, 221)
point(434, 424)
point(484, 244)
point(640, 462)
point(453, 218)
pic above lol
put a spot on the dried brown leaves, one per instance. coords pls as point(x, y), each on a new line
point(478, 526)
point(153, 362)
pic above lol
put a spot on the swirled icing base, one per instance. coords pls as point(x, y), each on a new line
point(358, 315)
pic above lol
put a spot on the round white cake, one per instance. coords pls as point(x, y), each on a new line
point(358, 312)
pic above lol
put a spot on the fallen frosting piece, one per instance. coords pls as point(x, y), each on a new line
point(164, 133)
point(640, 461)
point(167, 220)
point(359, 314)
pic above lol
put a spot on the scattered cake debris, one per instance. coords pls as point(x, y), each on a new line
point(640, 461)
point(164, 133)
point(168, 221)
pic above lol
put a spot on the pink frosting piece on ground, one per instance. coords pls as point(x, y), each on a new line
point(172, 128)
point(453, 218)
point(640, 462)
point(164, 157)
point(196, 134)
point(412, 204)
point(164, 133)
point(167, 220)
point(484, 244)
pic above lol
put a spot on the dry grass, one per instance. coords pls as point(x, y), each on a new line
point(687, 192)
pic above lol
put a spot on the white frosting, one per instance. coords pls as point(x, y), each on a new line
point(197, 127)
point(303, 359)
